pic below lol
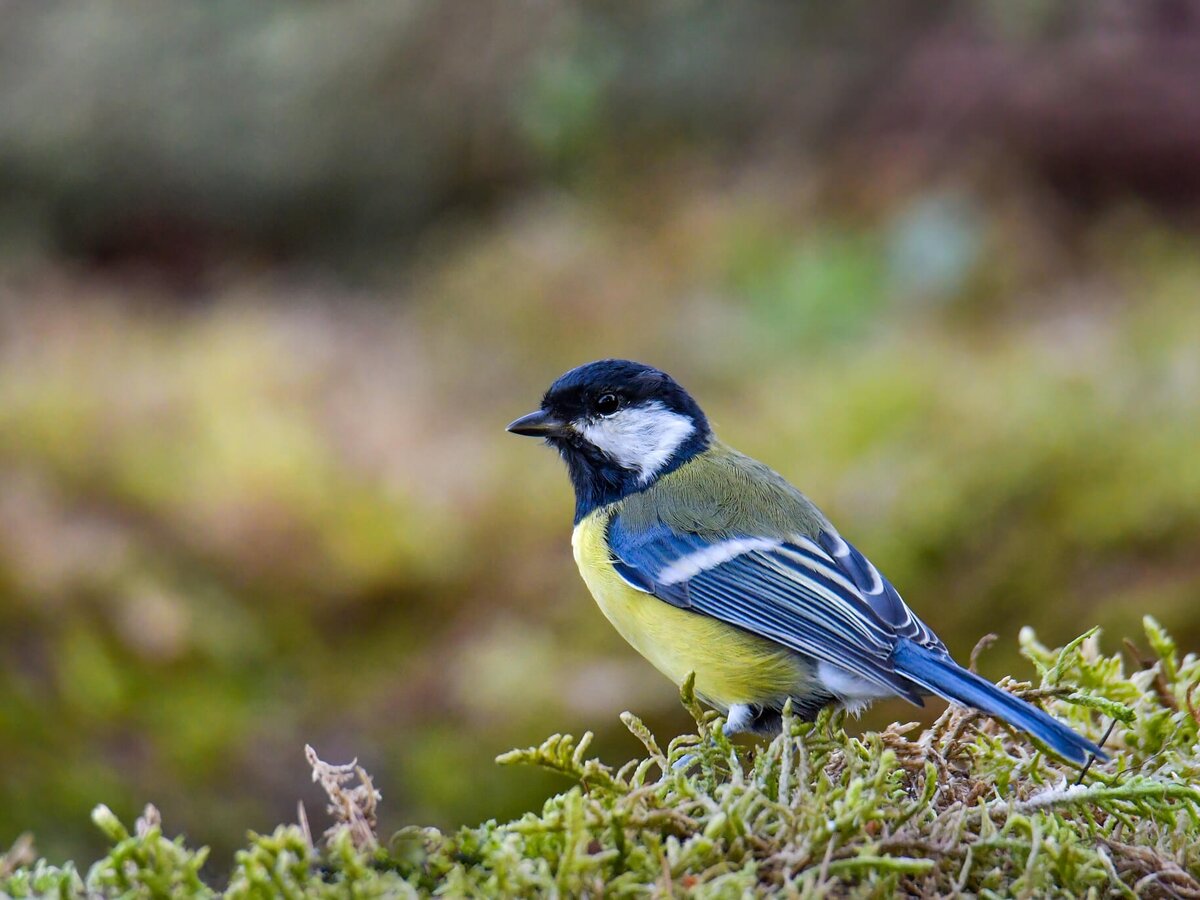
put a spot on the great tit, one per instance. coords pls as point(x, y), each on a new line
point(707, 561)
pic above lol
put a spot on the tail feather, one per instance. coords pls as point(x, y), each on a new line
point(943, 676)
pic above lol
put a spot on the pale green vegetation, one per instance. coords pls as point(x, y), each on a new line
point(963, 806)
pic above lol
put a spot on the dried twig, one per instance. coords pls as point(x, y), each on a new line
point(19, 855)
point(1161, 688)
point(1191, 703)
point(352, 808)
point(150, 818)
point(980, 646)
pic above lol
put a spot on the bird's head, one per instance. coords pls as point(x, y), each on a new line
point(619, 426)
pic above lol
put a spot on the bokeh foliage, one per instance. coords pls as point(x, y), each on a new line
point(273, 283)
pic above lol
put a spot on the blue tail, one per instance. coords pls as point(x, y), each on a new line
point(941, 675)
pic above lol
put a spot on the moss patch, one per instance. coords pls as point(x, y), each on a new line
point(964, 806)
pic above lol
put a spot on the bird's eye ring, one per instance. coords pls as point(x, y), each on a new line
point(607, 404)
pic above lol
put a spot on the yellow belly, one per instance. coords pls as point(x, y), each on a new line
point(731, 665)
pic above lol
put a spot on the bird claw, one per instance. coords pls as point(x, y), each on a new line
point(685, 762)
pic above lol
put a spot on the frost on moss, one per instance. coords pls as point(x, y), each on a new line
point(964, 806)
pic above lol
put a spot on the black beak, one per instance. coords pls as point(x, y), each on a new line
point(538, 424)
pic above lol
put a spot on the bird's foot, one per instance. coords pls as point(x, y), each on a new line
point(750, 718)
point(685, 762)
point(743, 718)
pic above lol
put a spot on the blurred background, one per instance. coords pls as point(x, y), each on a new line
point(275, 276)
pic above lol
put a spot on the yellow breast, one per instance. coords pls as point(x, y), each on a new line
point(731, 665)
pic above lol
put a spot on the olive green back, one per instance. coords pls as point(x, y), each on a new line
point(722, 492)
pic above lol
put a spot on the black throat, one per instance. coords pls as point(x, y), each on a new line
point(598, 480)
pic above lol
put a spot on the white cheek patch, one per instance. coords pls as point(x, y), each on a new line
point(641, 438)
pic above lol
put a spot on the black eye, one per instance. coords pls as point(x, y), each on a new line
point(608, 404)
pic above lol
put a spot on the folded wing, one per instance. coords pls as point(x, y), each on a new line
point(819, 597)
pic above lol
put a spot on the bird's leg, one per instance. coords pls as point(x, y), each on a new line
point(684, 763)
point(749, 718)
point(743, 718)
point(740, 719)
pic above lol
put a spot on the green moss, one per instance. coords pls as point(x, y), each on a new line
point(964, 806)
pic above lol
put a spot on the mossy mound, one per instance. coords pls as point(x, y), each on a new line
point(964, 806)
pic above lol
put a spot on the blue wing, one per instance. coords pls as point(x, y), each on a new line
point(878, 591)
point(820, 597)
point(824, 599)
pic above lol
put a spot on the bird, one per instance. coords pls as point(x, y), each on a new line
point(713, 566)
